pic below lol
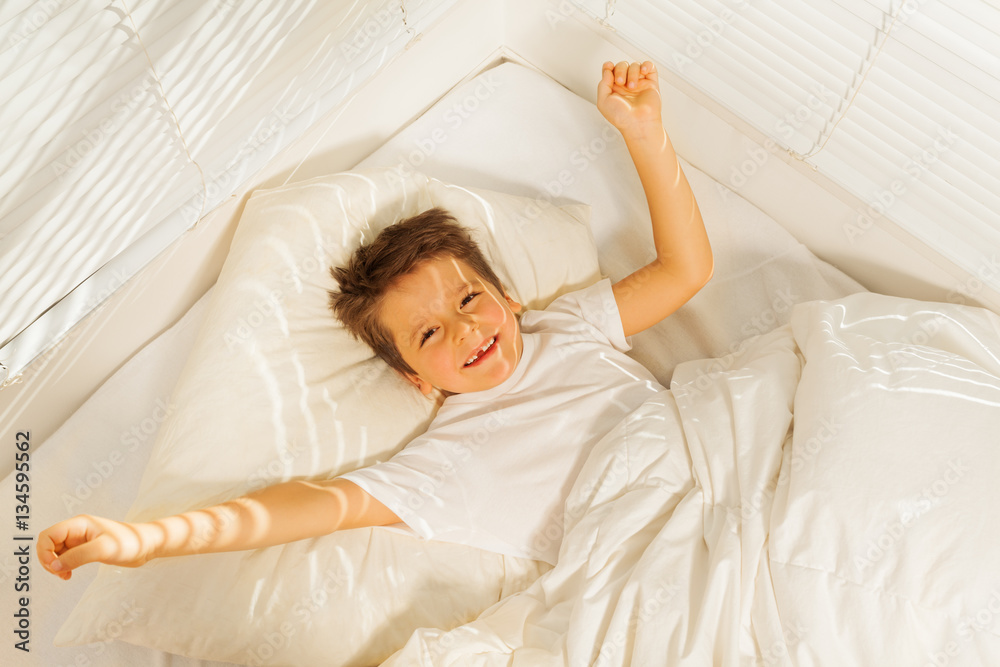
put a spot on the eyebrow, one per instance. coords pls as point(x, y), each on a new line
point(418, 328)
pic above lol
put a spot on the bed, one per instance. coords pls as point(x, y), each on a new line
point(704, 530)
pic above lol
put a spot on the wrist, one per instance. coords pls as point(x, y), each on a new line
point(647, 132)
point(152, 541)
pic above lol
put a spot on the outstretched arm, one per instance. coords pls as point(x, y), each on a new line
point(278, 514)
point(629, 98)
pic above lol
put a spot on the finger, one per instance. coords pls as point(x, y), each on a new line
point(96, 550)
point(45, 550)
point(51, 543)
point(649, 70)
point(621, 73)
point(633, 75)
point(607, 81)
point(74, 542)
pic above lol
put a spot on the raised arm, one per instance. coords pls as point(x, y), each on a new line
point(275, 515)
point(629, 98)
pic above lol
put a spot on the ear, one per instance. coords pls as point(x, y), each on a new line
point(513, 305)
point(424, 386)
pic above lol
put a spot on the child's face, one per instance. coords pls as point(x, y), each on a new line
point(453, 328)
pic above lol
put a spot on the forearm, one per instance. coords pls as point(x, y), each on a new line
point(679, 237)
point(629, 98)
point(276, 515)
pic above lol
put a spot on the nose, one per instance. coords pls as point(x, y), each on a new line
point(464, 325)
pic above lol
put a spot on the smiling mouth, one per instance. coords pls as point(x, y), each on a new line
point(483, 350)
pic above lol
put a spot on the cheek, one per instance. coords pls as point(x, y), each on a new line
point(498, 313)
point(439, 359)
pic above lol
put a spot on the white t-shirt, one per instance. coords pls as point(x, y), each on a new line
point(495, 467)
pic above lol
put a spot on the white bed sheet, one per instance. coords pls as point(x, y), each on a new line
point(510, 130)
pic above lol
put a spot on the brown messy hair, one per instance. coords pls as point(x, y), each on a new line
point(397, 251)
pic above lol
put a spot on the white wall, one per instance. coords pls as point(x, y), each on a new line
point(569, 47)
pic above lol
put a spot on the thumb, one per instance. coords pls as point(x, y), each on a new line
point(604, 87)
point(94, 551)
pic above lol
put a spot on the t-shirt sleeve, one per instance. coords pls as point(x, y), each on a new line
point(591, 311)
point(409, 483)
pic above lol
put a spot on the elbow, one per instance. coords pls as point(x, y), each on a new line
point(699, 273)
point(707, 270)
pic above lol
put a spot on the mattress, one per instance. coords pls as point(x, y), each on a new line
point(509, 129)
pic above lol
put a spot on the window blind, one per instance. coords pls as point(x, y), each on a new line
point(898, 101)
point(123, 122)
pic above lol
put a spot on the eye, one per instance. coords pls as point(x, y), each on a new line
point(427, 334)
point(469, 298)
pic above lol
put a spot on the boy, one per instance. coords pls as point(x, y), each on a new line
point(542, 390)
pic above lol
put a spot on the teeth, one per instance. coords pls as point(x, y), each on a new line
point(485, 347)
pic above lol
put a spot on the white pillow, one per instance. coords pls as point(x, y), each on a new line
point(885, 537)
point(276, 389)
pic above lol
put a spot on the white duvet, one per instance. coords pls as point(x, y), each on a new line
point(828, 495)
